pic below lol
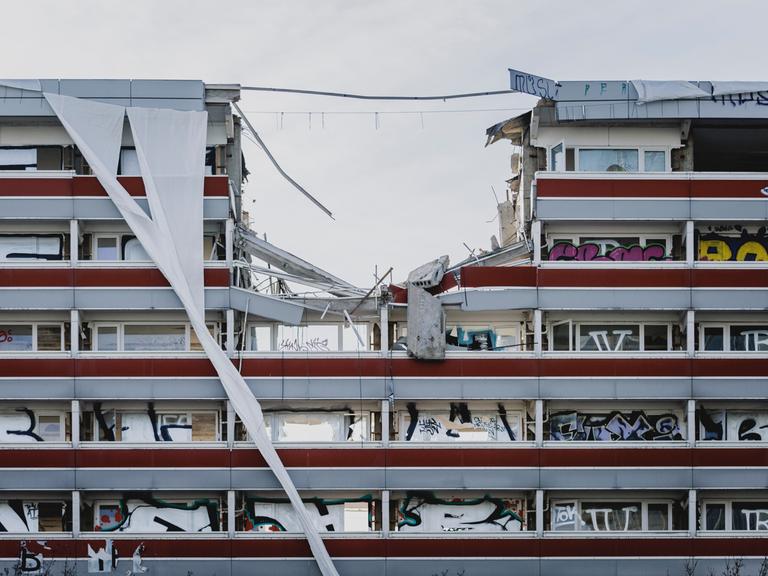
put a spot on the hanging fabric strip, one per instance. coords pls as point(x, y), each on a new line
point(170, 147)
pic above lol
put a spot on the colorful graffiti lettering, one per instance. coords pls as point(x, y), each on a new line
point(425, 512)
point(592, 251)
point(143, 513)
point(745, 248)
point(614, 426)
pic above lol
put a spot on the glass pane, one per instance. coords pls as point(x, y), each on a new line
point(564, 516)
point(655, 161)
point(106, 248)
point(749, 516)
point(715, 517)
point(106, 338)
point(49, 428)
point(296, 427)
point(154, 337)
point(133, 250)
point(259, 338)
point(656, 337)
point(557, 158)
point(316, 338)
point(609, 338)
point(611, 516)
point(49, 337)
point(713, 338)
point(607, 160)
point(16, 338)
point(749, 338)
point(30, 247)
point(658, 517)
point(560, 337)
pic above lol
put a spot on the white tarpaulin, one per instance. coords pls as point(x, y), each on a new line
point(726, 88)
point(654, 90)
point(168, 144)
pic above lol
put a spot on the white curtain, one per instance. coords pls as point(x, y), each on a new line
point(170, 146)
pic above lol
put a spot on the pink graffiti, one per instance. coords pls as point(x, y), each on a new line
point(591, 252)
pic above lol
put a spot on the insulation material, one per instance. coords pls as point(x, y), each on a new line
point(654, 90)
point(169, 144)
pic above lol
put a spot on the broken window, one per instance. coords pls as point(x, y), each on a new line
point(459, 424)
point(338, 514)
point(610, 247)
point(733, 425)
point(25, 425)
point(31, 246)
point(428, 512)
point(736, 515)
point(152, 514)
point(25, 516)
point(498, 337)
point(733, 337)
point(18, 159)
point(154, 425)
point(608, 160)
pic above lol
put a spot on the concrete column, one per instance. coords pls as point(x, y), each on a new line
point(385, 513)
point(691, 423)
point(538, 337)
point(74, 241)
point(230, 327)
point(690, 333)
point(230, 425)
point(539, 513)
point(384, 326)
point(539, 423)
point(536, 233)
point(385, 422)
point(231, 513)
point(690, 248)
point(75, 424)
point(75, 513)
point(692, 512)
point(229, 241)
point(74, 332)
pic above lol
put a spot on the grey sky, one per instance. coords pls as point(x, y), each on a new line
point(401, 194)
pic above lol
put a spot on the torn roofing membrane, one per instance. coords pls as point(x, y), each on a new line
point(170, 146)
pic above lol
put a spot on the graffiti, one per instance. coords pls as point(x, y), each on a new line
point(472, 339)
point(103, 561)
point(459, 425)
point(30, 562)
point(611, 517)
point(315, 344)
point(141, 513)
point(733, 425)
point(136, 566)
point(19, 426)
point(744, 248)
point(23, 516)
point(532, 84)
point(564, 516)
point(6, 336)
point(607, 250)
point(603, 343)
point(142, 426)
point(424, 512)
point(755, 519)
point(328, 515)
point(759, 98)
point(614, 426)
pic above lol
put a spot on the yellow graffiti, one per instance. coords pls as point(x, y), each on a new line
point(752, 248)
point(714, 250)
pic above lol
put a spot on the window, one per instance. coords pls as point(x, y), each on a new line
point(308, 338)
point(259, 338)
point(25, 426)
point(733, 425)
point(129, 162)
point(148, 337)
point(500, 337)
point(157, 514)
point(149, 425)
point(610, 516)
point(733, 337)
point(557, 158)
point(327, 514)
point(133, 250)
point(31, 337)
point(106, 338)
point(18, 159)
point(428, 512)
point(31, 247)
point(613, 247)
point(459, 425)
point(608, 160)
point(106, 248)
point(655, 161)
point(23, 516)
point(615, 425)
point(736, 515)
point(610, 337)
point(308, 426)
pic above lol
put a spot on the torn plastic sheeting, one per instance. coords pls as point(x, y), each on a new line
point(654, 90)
point(96, 128)
point(727, 88)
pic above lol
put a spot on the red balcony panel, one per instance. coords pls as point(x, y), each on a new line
point(615, 457)
point(712, 457)
point(477, 276)
point(24, 457)
point(35, 277)
point(35, 368)
point(144, 277)
point(614, 277)
point(622, 367)
point(134, 185)
point(462, 457)
point(729, 278)
point(314, 458)
point(154, 458)
point(616, 547)
point(613, 188)
point(728, 188)
point(140, 367)
point(733, 367)
point(36, 187)
point(461, 547)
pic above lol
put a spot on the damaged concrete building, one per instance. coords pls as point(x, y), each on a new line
point(589, 396)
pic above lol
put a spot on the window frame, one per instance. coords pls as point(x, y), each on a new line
point(643, 513)
point(726, 326)
point(575, 336)
point(641, 150)
point(35, 347)
point(214, 327)
point(576, 239)
point(728, 514)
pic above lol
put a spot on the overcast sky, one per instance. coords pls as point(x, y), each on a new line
point(406, 187)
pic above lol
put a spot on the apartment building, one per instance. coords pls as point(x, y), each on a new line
point(588, 397)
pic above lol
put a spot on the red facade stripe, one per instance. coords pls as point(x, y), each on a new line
point(635, 188)
point(478, 276)
point(99, 277)
point(89, 186)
